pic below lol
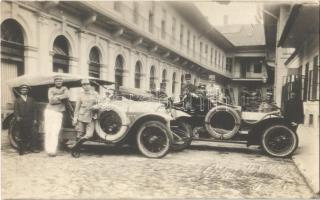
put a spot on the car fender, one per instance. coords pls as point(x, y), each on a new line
point(256, 130)
point(179, 114)
point(6, 122)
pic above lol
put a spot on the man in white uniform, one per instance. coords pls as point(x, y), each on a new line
point(53, 115)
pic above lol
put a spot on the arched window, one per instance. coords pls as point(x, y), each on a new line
point(164, 79)
point(61, 54)
point(152, 85)
point(119, 71)
point(94, 62)
point(182, 84)
point(12, 56)
point(137, 75)
point(174, 83)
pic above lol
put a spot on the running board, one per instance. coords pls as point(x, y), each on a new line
point(222, 141)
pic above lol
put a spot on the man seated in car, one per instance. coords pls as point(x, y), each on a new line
point(84, 115)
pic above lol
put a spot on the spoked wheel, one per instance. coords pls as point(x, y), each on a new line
point(279, 141)
point(14, 134)
point(154, 139)
point(182, 133)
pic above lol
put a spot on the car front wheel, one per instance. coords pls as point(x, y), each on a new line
point(154, 139)
point(279, 141)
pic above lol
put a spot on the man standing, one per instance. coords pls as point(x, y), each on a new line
point(293, 109)
point(84, 116)
point(54, 114)
point(25, 115)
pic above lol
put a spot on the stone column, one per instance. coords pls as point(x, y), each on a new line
point(31, 58)
point(44, 57)
point(83, 66)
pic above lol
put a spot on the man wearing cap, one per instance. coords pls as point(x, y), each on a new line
point(54, 115)
point(25, 115)
point(84, 115)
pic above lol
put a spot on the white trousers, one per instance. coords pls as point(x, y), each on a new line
point(52, 127)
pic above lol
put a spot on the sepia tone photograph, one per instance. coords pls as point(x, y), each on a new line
point(212, 99)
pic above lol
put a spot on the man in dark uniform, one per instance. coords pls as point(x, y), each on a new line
point(25, 115)
point(293, 109)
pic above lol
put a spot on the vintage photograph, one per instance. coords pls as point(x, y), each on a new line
point(160, 99)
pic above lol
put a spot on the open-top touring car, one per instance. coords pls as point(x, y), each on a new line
point(216, 121)
point(149, 125)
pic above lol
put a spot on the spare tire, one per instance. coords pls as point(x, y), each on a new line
point(222, 122)
point(112, 124)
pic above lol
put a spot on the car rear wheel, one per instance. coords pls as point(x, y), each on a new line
point(14, 134)
point(154, 139)
point(279, 141)
point(182, 132)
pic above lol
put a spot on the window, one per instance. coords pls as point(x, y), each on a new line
point(152, 85)
point(164, 79)
point(173, 28)
point(135, 12)
point(247, 66)
point(174, 83)
point(219, 59)
point(119, 71)
point(211, 56)
point(310, 119)
point(206, 51)
point(229, 64)
point(200, 50)
point(194, 45)
point(182, 84)
point(163, 29)
point(12, 46)
point(151, 21)
point(181, 34)
point(116, 6)
point(222, 62)
point(215, 57)
point(188, 39)
point(257, 67)
point(94, 62)
point(163, 24)
point(315, 79)
point(61, 55)
point(305, 83)
point(137, 75)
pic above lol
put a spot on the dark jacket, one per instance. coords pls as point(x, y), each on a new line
point(293, 111)
point(26, 110)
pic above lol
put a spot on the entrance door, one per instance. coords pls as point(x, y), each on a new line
point(243, 69)
point(8, 71)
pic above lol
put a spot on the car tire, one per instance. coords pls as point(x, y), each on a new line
point(13, 133)
point(223, 134)
point(279, 141)
point(123, 126)
point(154, 139)
point(185, 134)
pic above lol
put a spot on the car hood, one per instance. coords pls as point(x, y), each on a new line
point(138, 106)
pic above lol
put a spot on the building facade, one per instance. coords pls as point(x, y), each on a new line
point(252, 78)
point(293, 46)
point(292, 38)
point(134, 44)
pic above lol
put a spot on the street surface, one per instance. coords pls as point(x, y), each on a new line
point(204, 171)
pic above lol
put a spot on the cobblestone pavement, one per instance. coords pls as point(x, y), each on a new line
point(203, 171)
